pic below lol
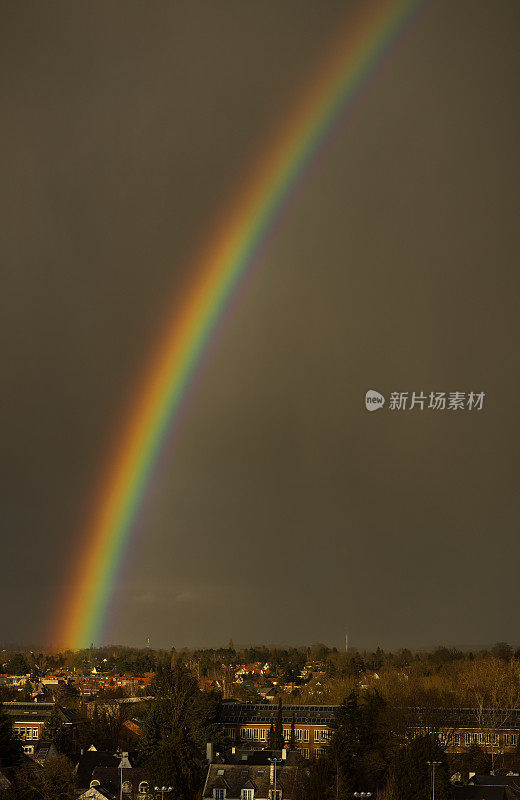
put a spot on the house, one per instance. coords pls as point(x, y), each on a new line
point(89, 761)
point(489, 787)
point(28, 720)
point(247, 781)
point(105, 776)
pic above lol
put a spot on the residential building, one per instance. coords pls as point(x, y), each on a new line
point(28, 720)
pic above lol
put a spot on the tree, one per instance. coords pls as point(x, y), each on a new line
point(53, 728)
point(53, 781)
point(345, 745)
point(502, 650)
point(410, 775)
point(178, 724)
point(292, 740)
point(278, 728)
point(271, 740)
point(10, 747)
point(18, 665)
point(475, 759)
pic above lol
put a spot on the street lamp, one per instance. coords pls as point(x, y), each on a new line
point(433, 764)
point(274, 761)
point(162, 790)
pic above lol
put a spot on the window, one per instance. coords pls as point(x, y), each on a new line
point(35, 733)
point(143, 787)
point(230, 732)
point(275, 795)
point(305, 734)
point(305, 751)
point(287, 734)
point(319, 751)
point(316, 736)
point(455, 739)
point(487, 738)
point(263, 734)
point(248, 794)
point(219, 794)
point(510, 739)
point(299, 734)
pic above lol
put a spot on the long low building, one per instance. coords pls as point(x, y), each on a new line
point(496, 731)
point(250, 723)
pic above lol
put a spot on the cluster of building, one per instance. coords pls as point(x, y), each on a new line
point(248, 770)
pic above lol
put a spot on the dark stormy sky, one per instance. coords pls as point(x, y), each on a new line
point(286, 512)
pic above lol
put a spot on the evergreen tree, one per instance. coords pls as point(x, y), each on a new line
point(344, 747)
point(10, 747)
point(410, 775)
point(271, 741)
point(292, 740)
point(278, 728)
point(178, 724)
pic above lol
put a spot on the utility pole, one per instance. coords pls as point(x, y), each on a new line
point(274, 761)
point(433, 764)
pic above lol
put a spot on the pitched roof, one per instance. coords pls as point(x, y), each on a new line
point(89, 761)
point(236, 777)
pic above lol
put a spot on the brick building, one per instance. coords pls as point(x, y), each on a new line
point(249, 723)
point(496, 731)
point(28, 720)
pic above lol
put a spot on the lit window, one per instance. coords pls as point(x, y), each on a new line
point(219, 794)
point(306, 735)
point(35, 733)
point(248, 794)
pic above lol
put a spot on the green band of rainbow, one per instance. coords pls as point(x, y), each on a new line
point(219, 270)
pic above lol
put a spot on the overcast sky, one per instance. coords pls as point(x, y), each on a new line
point(285, 511)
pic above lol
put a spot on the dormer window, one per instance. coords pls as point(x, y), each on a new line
point(248, 794)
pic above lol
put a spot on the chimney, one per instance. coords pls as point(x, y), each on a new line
point(271, 775)
point(209, 752)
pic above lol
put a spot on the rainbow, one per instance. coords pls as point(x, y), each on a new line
point(220, 268)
